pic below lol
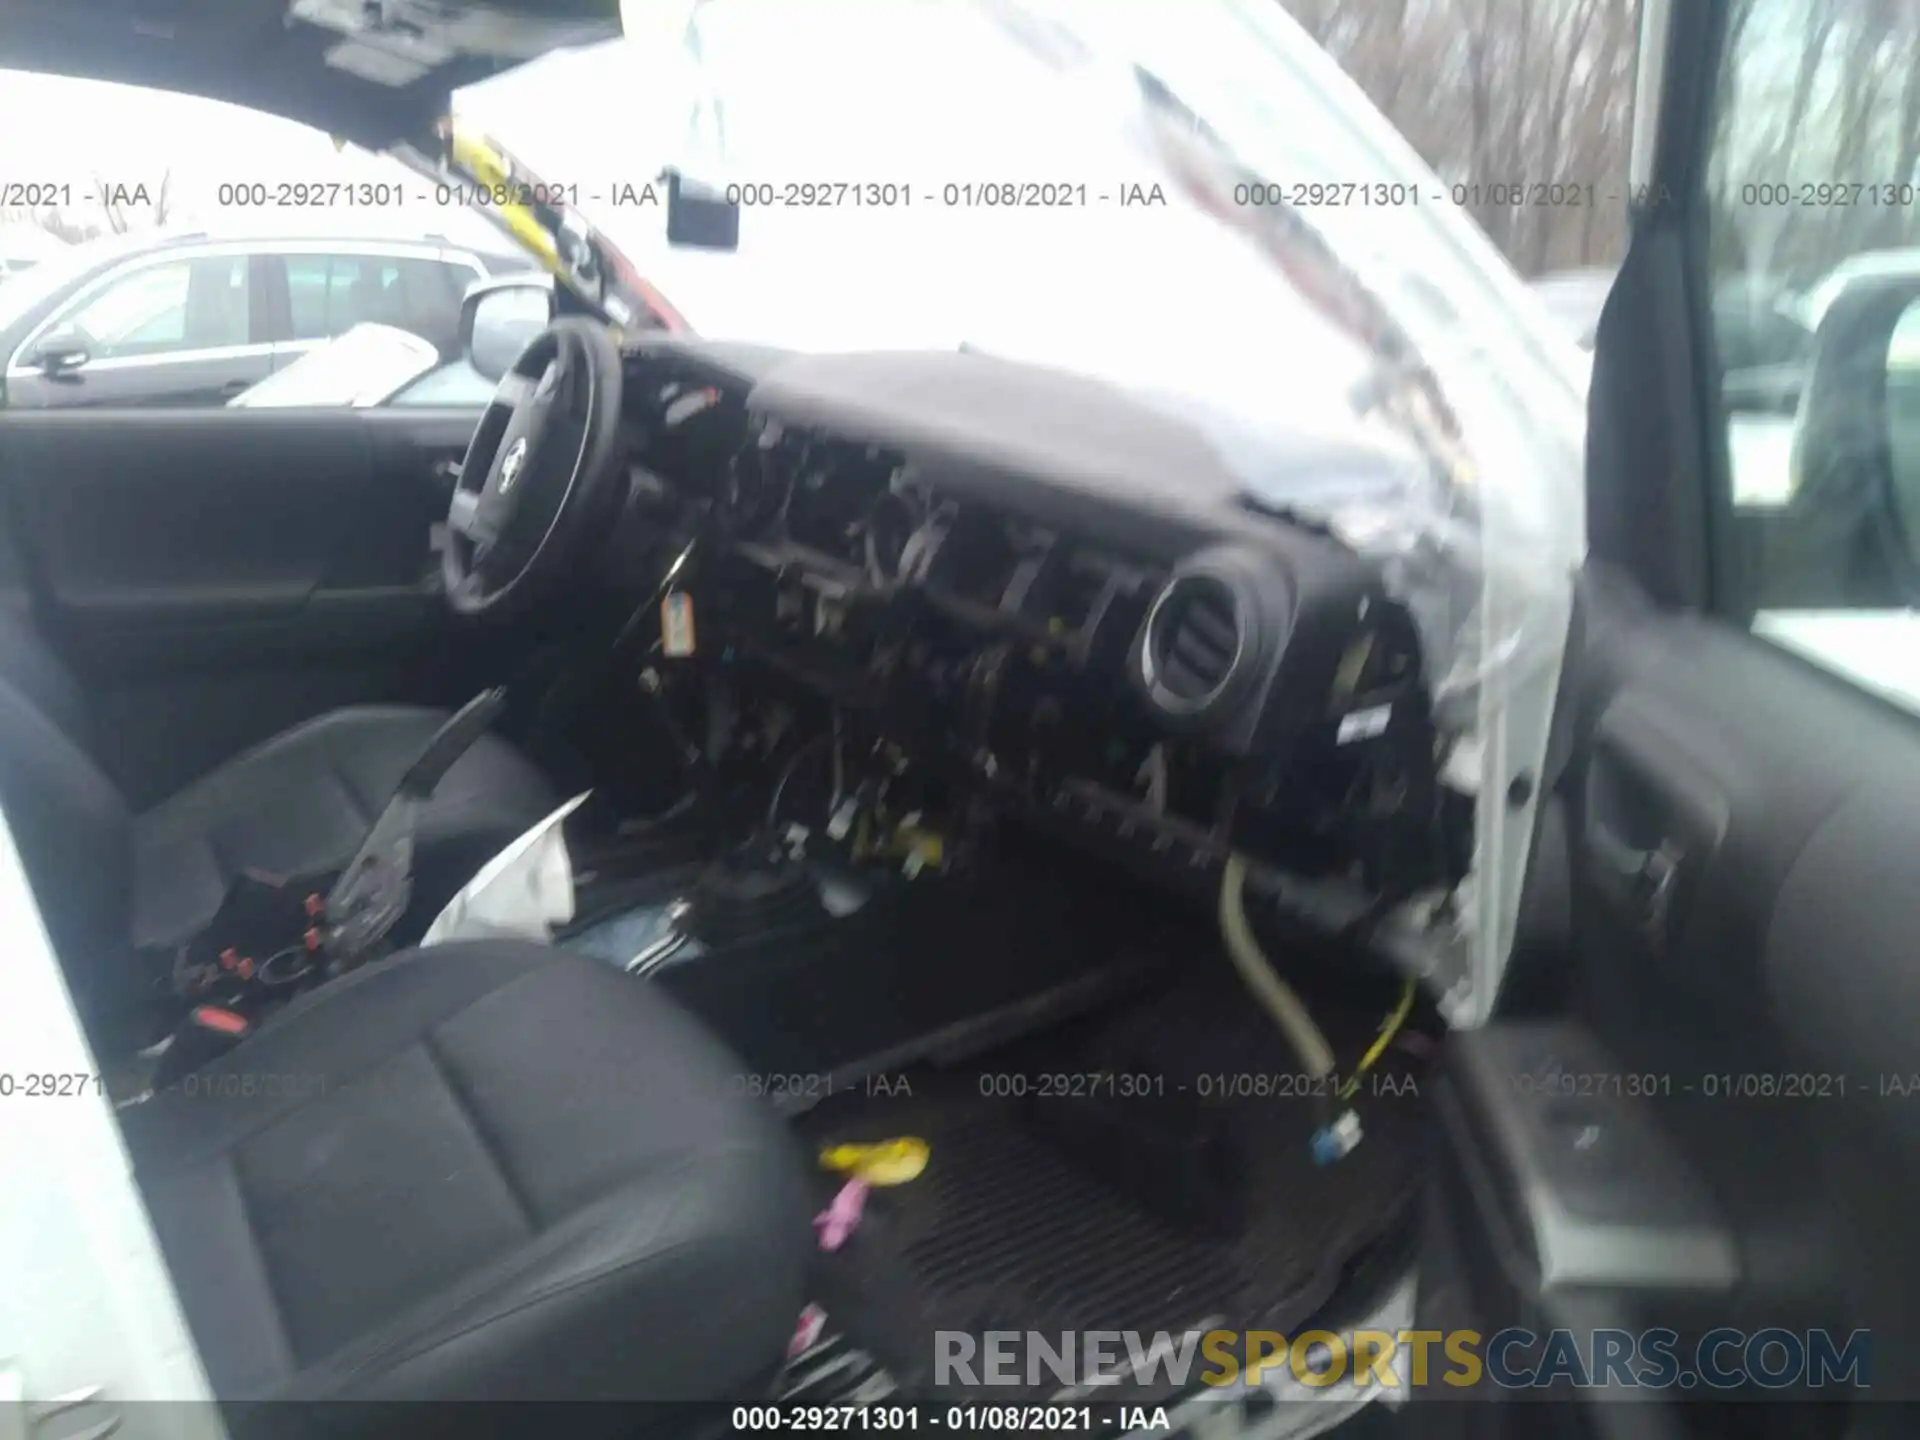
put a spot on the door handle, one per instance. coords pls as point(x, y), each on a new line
point(1643, 879)
point(234, 387)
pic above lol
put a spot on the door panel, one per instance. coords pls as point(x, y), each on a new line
point(1737, 1073)
point(1698, 1108)
point(172, 381)
point(217, 575)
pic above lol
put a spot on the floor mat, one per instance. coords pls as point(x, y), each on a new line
point(1010, 1230)
point(832, 1372)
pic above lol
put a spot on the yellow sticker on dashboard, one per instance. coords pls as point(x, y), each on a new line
point(676, 624)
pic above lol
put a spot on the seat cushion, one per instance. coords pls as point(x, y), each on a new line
point(301, 804)
point(485, 1170)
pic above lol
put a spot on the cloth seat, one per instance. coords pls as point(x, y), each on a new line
point(487, 1170)
point(302, 803)
point(120, 891)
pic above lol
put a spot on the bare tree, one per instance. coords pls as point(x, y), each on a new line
point(57, 223)
point(121, 208)
point(1906, 148)
point(1524, 104)
point(118, 221)
point(1822, 16)
point(1838, 116)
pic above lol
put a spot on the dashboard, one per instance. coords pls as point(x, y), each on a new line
point(1056, 590)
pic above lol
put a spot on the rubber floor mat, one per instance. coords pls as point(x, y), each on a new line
point(1009, 1229)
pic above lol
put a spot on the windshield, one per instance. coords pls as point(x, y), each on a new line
point(1046, 225)
point(1164, 200)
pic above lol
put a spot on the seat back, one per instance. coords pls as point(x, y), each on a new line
point(69, 823)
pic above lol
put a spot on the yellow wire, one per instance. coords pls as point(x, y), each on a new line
point(1389, 1029)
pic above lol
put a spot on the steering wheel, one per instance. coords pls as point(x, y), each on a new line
point(542, 464)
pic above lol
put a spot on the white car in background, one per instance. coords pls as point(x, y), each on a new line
point(1575, 298)
point(1760, 442)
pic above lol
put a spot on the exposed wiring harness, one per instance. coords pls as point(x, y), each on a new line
point(1339, 1129)
point(1389, 1028)
point(1276, 997)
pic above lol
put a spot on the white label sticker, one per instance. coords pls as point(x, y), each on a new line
point(1364, 724)
point(676, 624)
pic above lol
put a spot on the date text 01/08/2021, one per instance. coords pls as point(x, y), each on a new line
point(957, 1419)
point(1208, 1085)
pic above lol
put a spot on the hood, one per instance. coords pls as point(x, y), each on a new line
point(378, 74)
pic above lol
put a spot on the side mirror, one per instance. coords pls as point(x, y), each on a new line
point(499, 318)
point(1855, 463)
point(1902, 418)
point(699, 217)
point(1764, 389)
point(62, 352)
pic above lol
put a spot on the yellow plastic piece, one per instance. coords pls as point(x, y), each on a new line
point(474, 154)
point(919, 849)
point(885, 1162)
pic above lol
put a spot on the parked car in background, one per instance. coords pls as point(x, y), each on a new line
point(1767, 353)
point(374, 365)
point(1764, 328)
point(196, 318)
point(1575, 297)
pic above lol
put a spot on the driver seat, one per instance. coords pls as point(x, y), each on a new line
point(485, 1171)
point(120, 891)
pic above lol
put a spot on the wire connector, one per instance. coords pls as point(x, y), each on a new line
point(1336, 1140)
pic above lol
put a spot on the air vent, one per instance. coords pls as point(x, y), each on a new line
point(1195, 639)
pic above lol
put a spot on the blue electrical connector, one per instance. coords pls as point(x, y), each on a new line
point(1336, 1140)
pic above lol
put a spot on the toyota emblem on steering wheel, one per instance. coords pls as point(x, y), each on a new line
point(510, 464)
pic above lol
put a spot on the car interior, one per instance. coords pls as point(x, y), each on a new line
point(970, 809)
point(932, 776)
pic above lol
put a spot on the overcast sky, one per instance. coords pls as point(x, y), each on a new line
point(82, 133)
point(70, 131)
